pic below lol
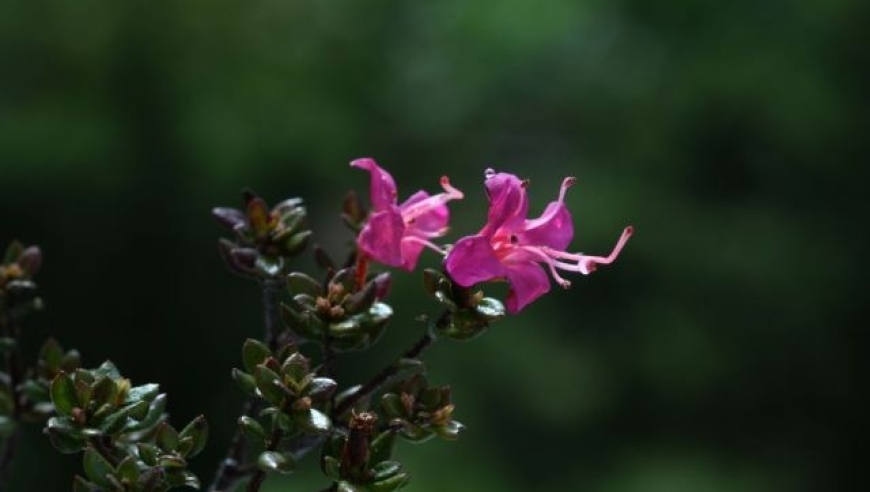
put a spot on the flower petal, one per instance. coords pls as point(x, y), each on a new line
point(528, 282)
point(472, 260)
point(554, 228)
point(383, 187)
point(508, 200)
point(381, 237)
point(430, 223)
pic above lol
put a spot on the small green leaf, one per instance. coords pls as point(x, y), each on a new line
point(63, 394)
point(386, 469)
point(50, 355)
point(116, 421)
point(246, 382)
point(108, 370)
point(269, 385)
point(299, 283)
point(148, 453)
point(167, 437)
point(392, 405)
point(153, 417)
point(183, 478)
point(382, 447)
point(128, 470)
point(97, 468)
point(346, 487)
point(273, 461)
point(394, 482)
point(313, 421)
point(320, 388)
point(251, 428)
point(254, 352)
point(146, 392)
point(197, 429)
point(105, 391)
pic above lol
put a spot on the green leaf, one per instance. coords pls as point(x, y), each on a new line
point(313, 421)
point(197, 429)
point(153, 417)
point(490, 309)
point(254, 353)
point(346, 487)
point(63, 394)
point(251, 428)
point(115, 422)
point(148, 453)
point(97, 468)
point(392, 405)
point(269, 385)
point(183, 478)
point(381, 448)
point(320, 388)
point(390, 484)
point(50, 355)
point(128, 470)
point(65, 442)
point(146, 392)
point(386, 469)
point(273, 461)
point(167, 437)
point(299, 283)
point(246, 382)
point(105, 392)
point(84, 392)
point(108, 370)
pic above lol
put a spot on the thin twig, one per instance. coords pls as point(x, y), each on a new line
point(260, 475)
point(231, 469)
point(382, 377)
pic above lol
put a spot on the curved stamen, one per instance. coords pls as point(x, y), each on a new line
point(566, 183)
point(428, 244)
point(434, 201)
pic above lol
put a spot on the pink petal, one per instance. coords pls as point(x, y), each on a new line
point(472, 260)
point(381, 237)
point(383, 188)
point(429, 223)
point(508, 201)
point(528, 282)
point(410, 253)
point(554, 228)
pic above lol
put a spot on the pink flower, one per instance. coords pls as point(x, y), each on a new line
point(395, 235)
point(515, 248)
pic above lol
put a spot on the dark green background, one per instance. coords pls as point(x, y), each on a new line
point(722, 352)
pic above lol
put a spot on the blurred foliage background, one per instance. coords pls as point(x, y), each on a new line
point(722, 352)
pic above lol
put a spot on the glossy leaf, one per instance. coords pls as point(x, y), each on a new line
point(273, 461)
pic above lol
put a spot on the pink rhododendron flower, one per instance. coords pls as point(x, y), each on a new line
point(395, 235)
point(517, 249)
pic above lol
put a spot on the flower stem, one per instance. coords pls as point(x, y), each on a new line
point(231, 469)
point(380, 378)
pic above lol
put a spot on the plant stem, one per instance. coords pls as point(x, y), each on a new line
point(260, 475)
point(230, 470)
point(382, 377)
